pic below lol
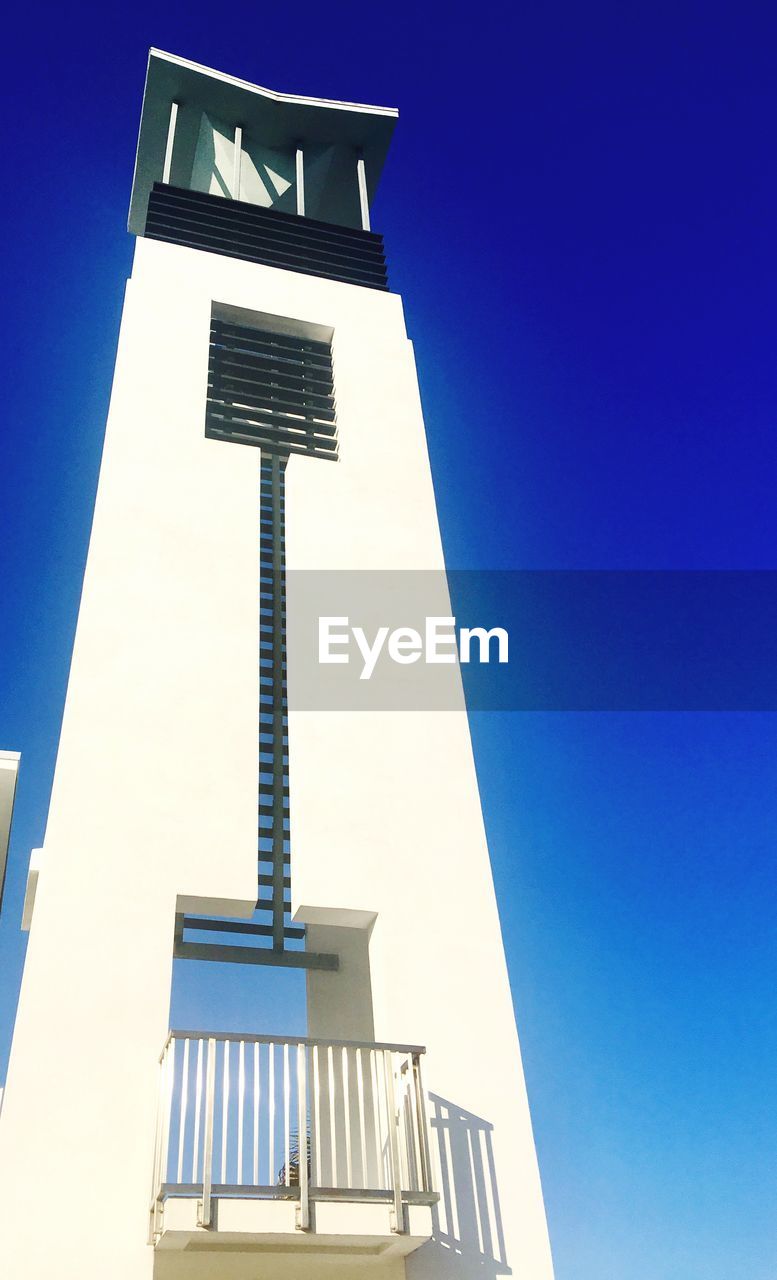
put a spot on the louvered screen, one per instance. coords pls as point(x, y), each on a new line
point(270, 390)
point(284, 240)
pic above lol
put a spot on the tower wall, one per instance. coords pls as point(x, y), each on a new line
point(154, 796)
point(154, 800)
point(388, 831)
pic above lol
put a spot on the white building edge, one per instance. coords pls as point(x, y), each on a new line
point(395, 1138)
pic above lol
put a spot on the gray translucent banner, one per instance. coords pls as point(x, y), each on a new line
point(577, 641)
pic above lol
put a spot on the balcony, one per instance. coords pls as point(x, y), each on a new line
point(269, 1145)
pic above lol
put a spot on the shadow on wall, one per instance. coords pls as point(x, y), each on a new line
point(468, 1238)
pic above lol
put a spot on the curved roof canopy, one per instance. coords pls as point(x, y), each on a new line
point(275, 121)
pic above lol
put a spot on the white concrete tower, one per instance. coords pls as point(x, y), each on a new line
point(264, 420)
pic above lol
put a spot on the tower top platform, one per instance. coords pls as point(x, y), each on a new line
point(210, 106)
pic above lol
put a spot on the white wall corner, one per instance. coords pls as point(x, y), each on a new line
point(342, 917)
point(36, 862)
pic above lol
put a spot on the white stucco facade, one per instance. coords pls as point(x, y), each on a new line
point(153, 810)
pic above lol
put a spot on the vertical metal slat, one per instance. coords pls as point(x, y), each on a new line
point(168, 163)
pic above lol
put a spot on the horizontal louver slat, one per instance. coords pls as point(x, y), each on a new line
point(240, 336)
point(272, 400)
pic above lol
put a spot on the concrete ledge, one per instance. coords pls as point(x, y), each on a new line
point(268, 1227)
point(341, 917)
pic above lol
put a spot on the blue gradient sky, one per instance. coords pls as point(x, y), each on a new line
point(580, 209)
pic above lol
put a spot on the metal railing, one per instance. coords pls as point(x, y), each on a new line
point(300, 1119)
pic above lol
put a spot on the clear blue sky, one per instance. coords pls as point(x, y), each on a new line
point(581, 211)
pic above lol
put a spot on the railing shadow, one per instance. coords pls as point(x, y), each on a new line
point(468, 1238)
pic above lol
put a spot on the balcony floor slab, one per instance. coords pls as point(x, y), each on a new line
point(342, 1232)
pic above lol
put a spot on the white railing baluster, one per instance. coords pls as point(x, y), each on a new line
point(347, 1120)
point(256, 1113)
point(415, 1159)
point(358, 1053)
point(161, 1121)
point(168, 1112)
point(302, 1141)
point(182, 1109)
point(224, 1110)
point(316, 1116)
point(286, 1116)
point(332, 1113)
point(241, 1088)
point(404, 1119)
point(197, 1109)
point(376, 1094)
point(423, 1129)
point(204, 1218)
point(271, 1100)
point(393, 1137)
point(413, 1147)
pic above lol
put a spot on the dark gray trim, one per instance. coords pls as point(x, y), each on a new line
point(256, 955)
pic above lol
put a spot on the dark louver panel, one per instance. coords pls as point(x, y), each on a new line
point(246, 231)
point(270, 390)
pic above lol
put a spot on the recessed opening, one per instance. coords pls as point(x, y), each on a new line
point(215, 996)
point(271, 384)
